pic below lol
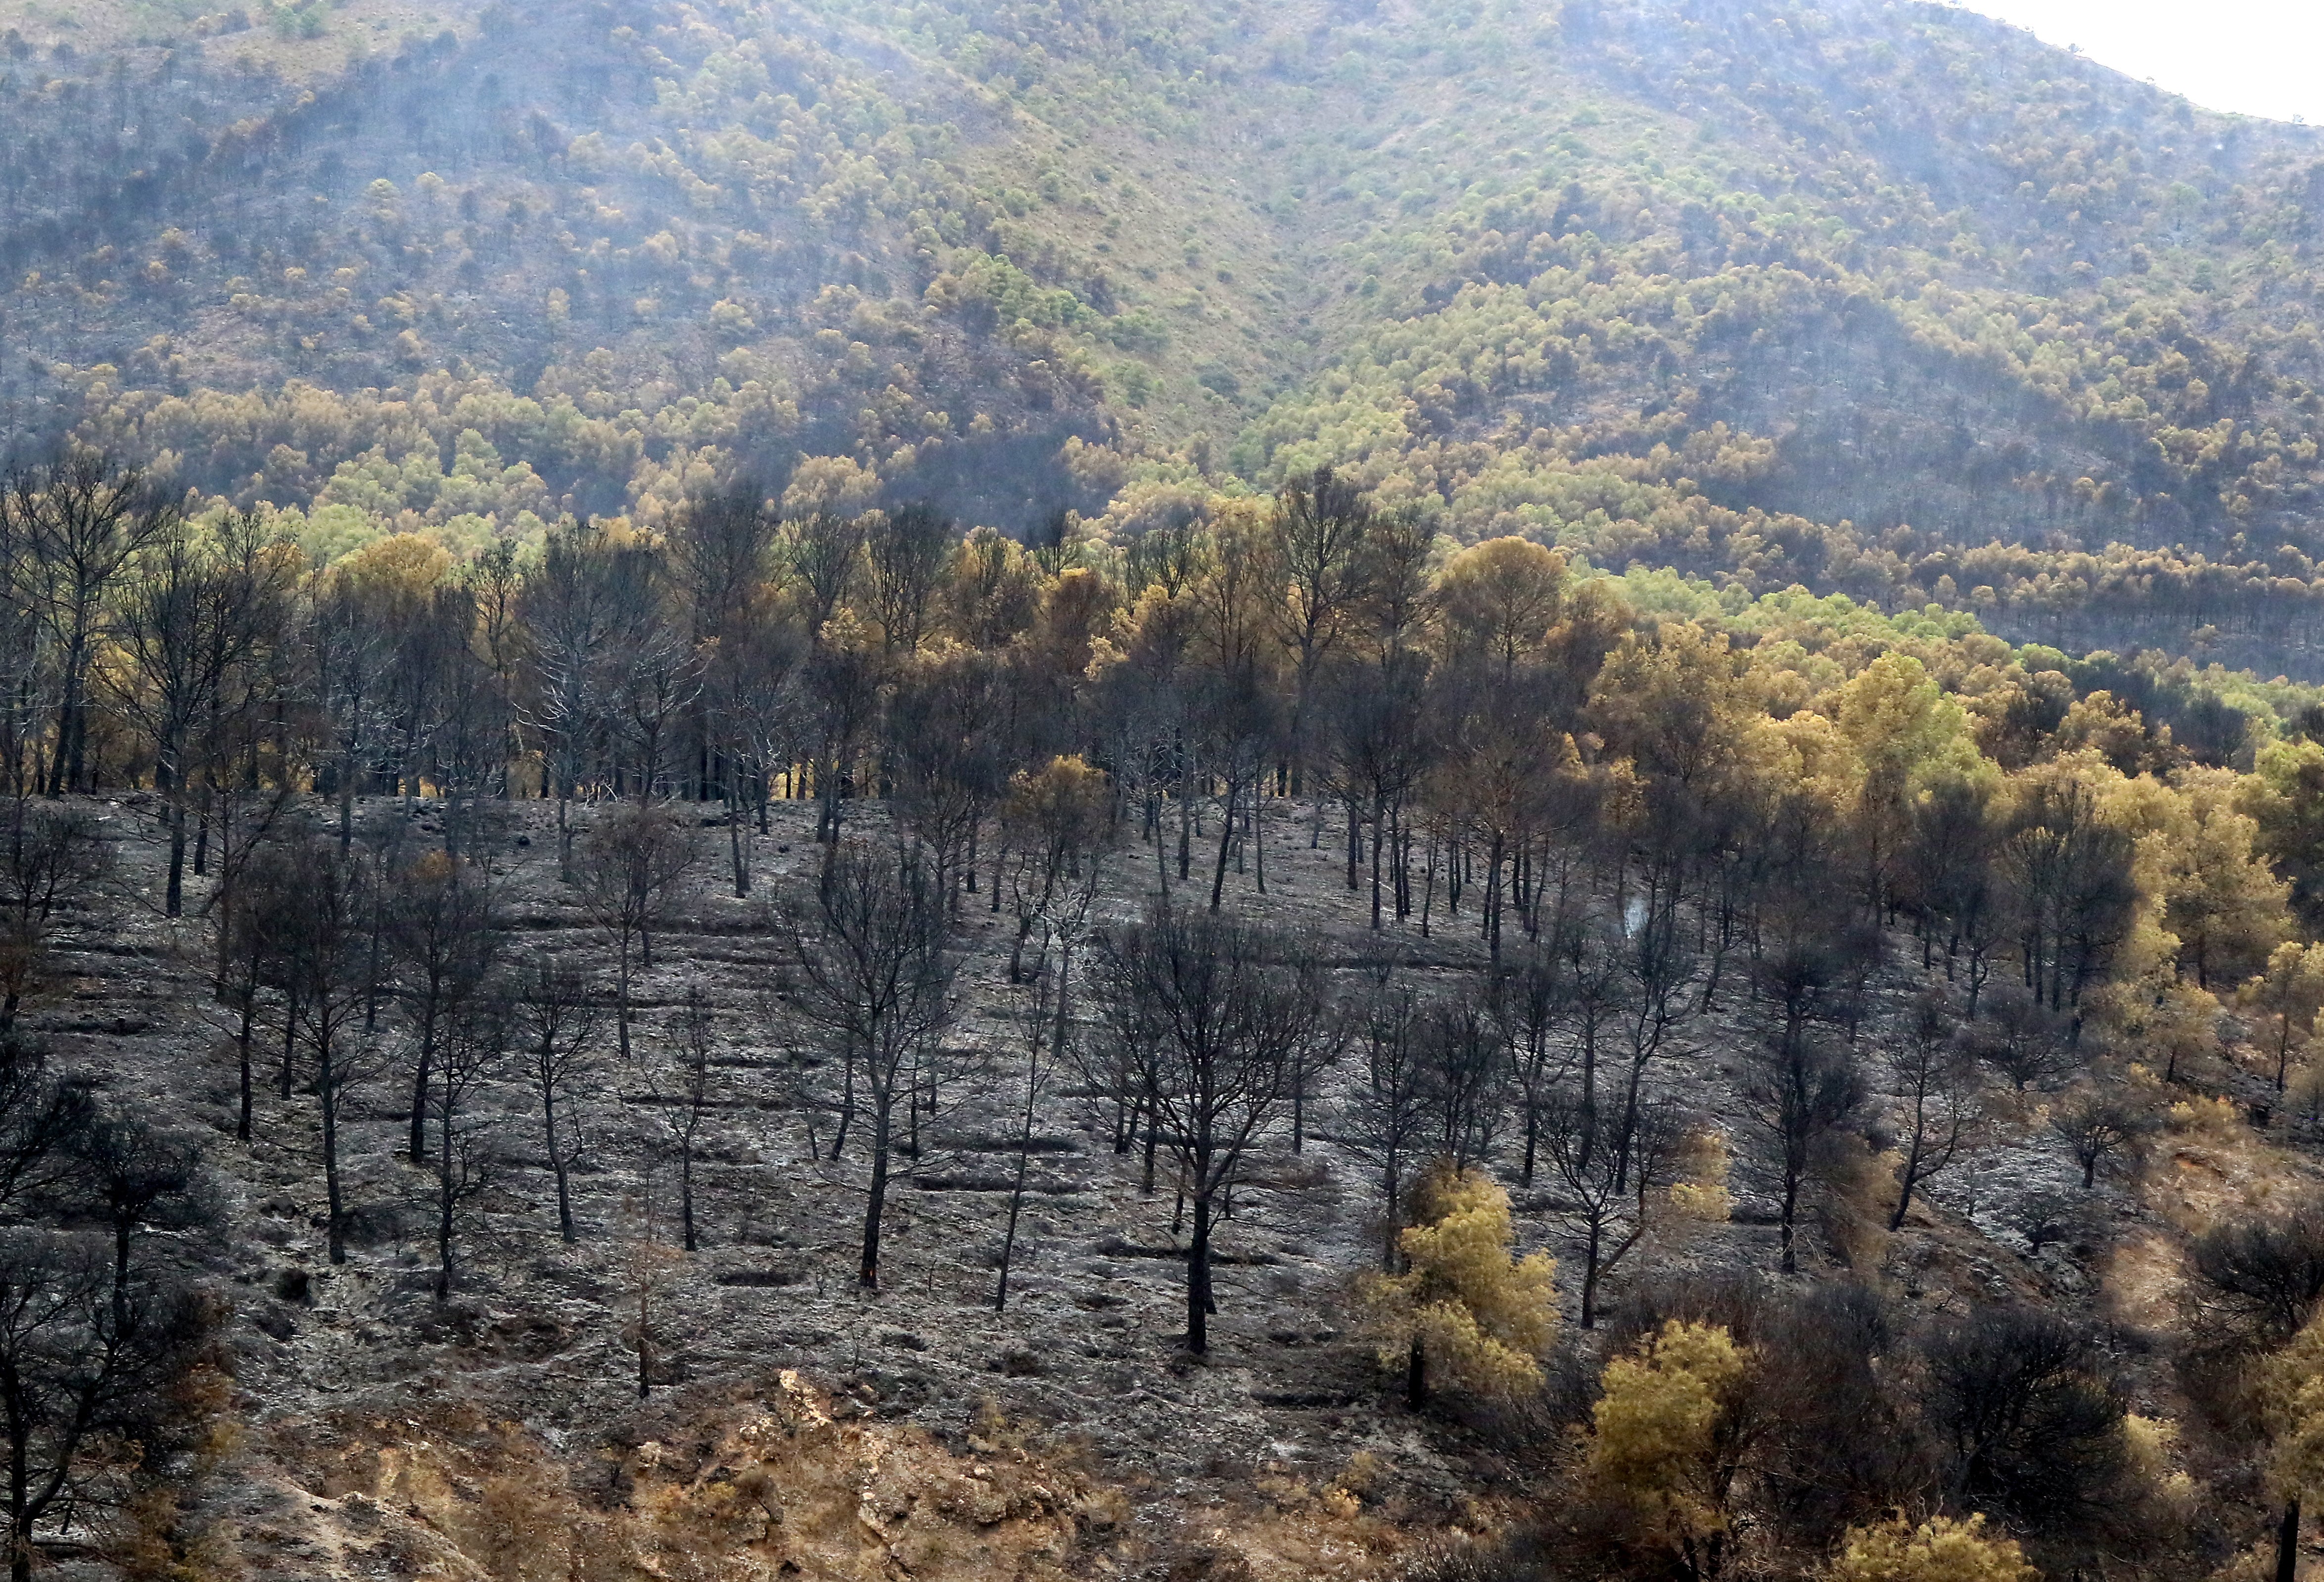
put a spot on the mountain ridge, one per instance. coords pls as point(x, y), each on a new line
point(1888, 300)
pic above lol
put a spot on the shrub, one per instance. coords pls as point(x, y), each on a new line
point(1941, 1550)
point(1663, 1435)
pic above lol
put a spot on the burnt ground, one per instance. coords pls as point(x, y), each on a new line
point(1087, 1355)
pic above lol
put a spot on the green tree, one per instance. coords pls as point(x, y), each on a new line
point(2284, 796)
point(2291, 1409)
point(2289, 992)
point(1907, 735)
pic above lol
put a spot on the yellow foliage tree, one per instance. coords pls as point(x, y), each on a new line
point(1904, 732)
point(1500, 598)
point(2100, 723)
point(392, 578)
point(2172, 1024)
point(2288, 992)
point(1666, 1436)
point(1700, 1194)
point(1939, 1550)
point(830, 485)
point(2218, 894)
point(2291, 1407)
point(1685, 708)
point(1053, 821)
point(993, 590)
point(1463, 1303)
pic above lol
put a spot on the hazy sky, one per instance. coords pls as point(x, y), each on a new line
point(2259, 57)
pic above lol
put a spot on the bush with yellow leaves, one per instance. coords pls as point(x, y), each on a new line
point(1700, 1195)
point(1666, 1440)
point(2214, 1120)
point(2152, 1443)
point(1941, 1549)
point(1463, 1305)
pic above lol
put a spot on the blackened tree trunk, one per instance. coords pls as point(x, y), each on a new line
point(559, 1166)
point(1198, 1277)
point(881, 1117)
point(327, 1088)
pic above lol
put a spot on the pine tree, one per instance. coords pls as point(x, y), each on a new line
point(1463, 1305)
point(1666, 1438)
point(2288, 992)
point(2292, 1408)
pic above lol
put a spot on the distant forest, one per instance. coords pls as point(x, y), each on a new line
point(1891, 302)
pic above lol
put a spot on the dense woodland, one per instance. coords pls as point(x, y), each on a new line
point(1886, 301)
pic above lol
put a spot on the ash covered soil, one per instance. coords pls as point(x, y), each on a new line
point(371, 1415)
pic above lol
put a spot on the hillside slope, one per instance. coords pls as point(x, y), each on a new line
point(1891, 300)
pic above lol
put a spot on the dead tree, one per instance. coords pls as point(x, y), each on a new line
point(132, 1178)
point(1940, 1109)
point(905, 552)
point(1229, 1017)
point(554, 1019)
point(89, 1366)
point(2024, 1040)
point(1240, 730)
point(630, 866)
point(1388, 1122)
point(656, 679)
point(50, 858)
point(1463, 1079)
point(874, 976)
point(825, 551)
point(841, 686)
point(946, 743)
point(82, 517)
point(720, 560)
point(347, 650)
point(245, 953)
point(1040, 1026)
point(1800, 1088)
point(324, 920)
point(1118, 1067)
point(469, 1163)
point(574, 609)
point(2101, 1128)
point(441, 921)
point(1657, 967)
point(683, 1097)
point(1529, 1001)
point(1608, 1186)
point(755, 719)
point(197, 610)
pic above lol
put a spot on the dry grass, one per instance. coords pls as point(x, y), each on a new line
point(1320, 1530)
point(776, 1487)
point(779, 1487)
point(2204, 1167)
